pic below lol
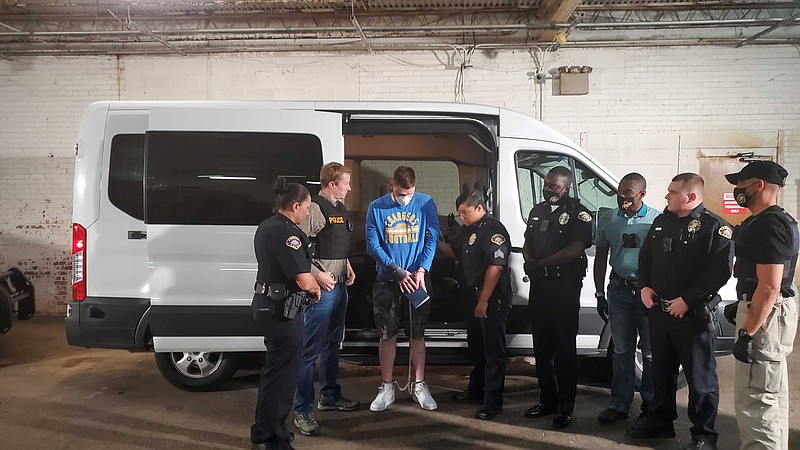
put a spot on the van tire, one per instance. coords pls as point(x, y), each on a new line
point(638, 367)
point(184, 370)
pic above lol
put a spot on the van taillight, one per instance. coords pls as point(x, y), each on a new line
point(78, 262)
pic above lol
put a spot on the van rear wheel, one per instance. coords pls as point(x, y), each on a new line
point(197, 371)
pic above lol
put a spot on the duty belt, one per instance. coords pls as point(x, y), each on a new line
point(261, 288)
point(749, 297)
point(338, 278)
point(630, 282)
point(551, 271)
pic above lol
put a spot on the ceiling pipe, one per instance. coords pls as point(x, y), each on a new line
point(421, 29)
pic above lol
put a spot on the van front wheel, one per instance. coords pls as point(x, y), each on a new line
point(197, 371)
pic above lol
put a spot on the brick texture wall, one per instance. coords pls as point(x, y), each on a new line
point(654, 110)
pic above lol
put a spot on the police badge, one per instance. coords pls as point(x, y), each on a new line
point(563, 218)
point(293, 242)
point(472, 238)
point(694, 225)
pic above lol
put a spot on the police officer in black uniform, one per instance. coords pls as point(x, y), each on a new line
point(282, 282)
point(559, 231)
point(766, 314)
point(684, 261)
point(483, 260)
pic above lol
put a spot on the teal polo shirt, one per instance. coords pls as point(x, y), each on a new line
point(610, 227)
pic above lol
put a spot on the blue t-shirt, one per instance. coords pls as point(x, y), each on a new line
point(610, 227)
point(406, 235)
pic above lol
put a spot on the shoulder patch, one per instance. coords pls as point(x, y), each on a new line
point(498, 239)
point(585, 216)
point(725, 231)
point(294, 242)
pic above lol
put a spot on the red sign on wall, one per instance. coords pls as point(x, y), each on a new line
point(729, 205)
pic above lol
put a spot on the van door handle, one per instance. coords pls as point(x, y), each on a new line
point(135, 234)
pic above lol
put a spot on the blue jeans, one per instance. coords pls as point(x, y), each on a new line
point(627, 316)
point(322, 336)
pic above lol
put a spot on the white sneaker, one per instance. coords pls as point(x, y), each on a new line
point(384, 398)
point(423, 396)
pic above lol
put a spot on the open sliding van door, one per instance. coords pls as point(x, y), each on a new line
point(210, 170)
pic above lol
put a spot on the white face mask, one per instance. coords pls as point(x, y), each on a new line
point(404, 200)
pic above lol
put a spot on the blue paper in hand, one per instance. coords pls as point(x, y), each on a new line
point(418, 297)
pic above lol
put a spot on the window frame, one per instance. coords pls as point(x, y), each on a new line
point(260, 153)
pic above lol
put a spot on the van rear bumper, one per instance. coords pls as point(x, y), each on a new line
point(108, 322)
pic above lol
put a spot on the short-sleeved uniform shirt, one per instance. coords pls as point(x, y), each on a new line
point(766, 238)
point(688, 257)
point(550, 230)
point(281, 251)
point(612, 225)
point(485, 244)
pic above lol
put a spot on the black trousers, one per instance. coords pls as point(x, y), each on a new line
point(554, 304)
point(677, 342)
point(487, 349)
point(278, 381)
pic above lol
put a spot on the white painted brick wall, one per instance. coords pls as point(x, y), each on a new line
point(643, 106)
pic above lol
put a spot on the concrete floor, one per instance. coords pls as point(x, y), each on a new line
point(60, 397)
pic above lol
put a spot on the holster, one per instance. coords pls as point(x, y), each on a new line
point(705, 314)
point(294, 303)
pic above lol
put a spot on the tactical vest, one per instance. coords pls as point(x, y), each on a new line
point(333, 241)
point(745, 268)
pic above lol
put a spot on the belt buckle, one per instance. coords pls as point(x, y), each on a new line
point(664, 305)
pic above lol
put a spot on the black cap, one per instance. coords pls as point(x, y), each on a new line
point(769, 171)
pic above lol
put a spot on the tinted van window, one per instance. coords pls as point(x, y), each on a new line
point(224, 178)
point(126, 165)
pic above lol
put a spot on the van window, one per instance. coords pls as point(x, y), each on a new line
point(126, 165)
point(531, 170)
point(224, 178)
point(595, 194)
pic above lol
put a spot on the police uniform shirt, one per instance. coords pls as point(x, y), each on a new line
point(765, 238)
point(281, 251)
point(313, 224)
point(688, 257)
point(550, 231)
point(486, 244)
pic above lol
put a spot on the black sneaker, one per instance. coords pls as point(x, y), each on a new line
point(699, 444)
point(611, 415)
point(649, 430)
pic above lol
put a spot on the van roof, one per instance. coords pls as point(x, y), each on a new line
point(350, 105)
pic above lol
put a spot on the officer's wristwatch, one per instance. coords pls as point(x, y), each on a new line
point(599, 294)
point(744, 334)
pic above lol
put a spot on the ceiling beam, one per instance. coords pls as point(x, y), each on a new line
point(785, 21)
point(555, 11)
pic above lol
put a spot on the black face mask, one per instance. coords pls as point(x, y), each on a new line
point(625, 203)
point(742, 197)
point(552, 197)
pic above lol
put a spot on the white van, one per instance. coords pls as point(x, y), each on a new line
point(168, 196)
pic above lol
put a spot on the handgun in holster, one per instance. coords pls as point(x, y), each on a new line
point(294, 303)
point(705, 314)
